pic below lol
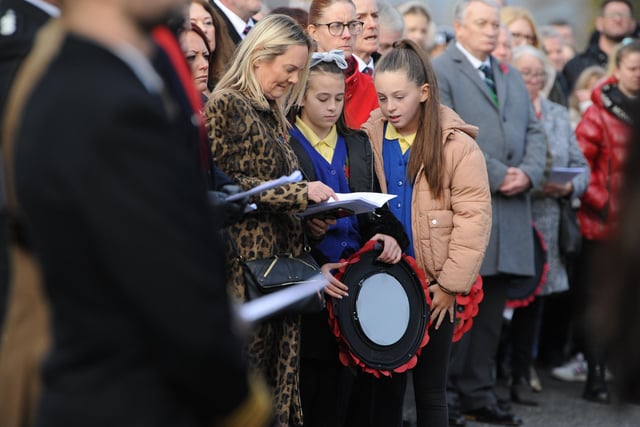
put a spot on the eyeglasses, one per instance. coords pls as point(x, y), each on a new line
point(530, 74)
point(337, 28)
point(619, 15)
point(528, 37)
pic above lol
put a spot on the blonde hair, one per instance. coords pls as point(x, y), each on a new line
point(583, 82)
point(509, 14)
point(271, 37)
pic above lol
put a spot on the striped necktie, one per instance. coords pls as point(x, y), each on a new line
point(488, 79)
point(247, 29)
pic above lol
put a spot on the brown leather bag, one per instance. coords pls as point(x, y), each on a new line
point(25, 336)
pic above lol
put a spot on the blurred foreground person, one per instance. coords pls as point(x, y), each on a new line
point(122, 231)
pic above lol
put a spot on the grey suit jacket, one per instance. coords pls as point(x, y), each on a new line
point(510, 135)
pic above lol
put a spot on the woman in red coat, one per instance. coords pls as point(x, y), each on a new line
point(603, 134)
point(333, 26)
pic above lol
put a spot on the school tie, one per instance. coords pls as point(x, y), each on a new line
point(368, 71)
point(488, 79)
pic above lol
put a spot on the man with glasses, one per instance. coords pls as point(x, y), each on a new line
point(613, 23)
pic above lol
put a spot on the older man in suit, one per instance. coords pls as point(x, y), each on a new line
point(238, 16)
point(494, 98)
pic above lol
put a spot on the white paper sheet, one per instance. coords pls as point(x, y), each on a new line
point(267, 305)
point(355, 203)
point(294, 177)
point(560, 175)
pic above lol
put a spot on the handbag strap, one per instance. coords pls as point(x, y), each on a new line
point(305, 248)
point(46, 46)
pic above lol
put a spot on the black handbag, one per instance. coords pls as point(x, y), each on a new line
point(266, 275)
point(569, 236)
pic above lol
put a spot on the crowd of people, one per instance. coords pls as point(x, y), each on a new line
point(127, 124)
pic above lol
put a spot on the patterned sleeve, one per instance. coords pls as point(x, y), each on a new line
point(239, 150)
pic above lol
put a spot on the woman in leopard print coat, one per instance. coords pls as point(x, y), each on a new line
point(248, 128)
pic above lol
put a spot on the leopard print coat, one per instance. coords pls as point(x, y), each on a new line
point(250, 147)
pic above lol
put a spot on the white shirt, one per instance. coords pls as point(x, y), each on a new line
point(46, 7)
point(362, 65)
point(475, 61)
point(238, 23)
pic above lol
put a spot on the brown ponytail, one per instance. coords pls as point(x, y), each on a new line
point(427, 152)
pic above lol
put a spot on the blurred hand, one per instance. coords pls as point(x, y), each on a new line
point(441, 304)
point(335, 288)
point(391, 252)
point(319, 192)
point(318, 226)
point(230, 212)
point(558, 190)
point(514, 182)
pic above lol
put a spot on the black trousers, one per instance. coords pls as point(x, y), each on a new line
point(336, 396)
point(472, 379)
point(522, 335)
point(325, 389)
point(583, 294)
point(376, 402)
point(430, 377)
point(555, 329)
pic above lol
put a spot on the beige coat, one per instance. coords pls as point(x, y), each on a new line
point(450, 235)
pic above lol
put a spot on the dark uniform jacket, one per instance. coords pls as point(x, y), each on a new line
point(116, 211)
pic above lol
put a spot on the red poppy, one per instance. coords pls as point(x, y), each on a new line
point(515, 303)
point(467, 307)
